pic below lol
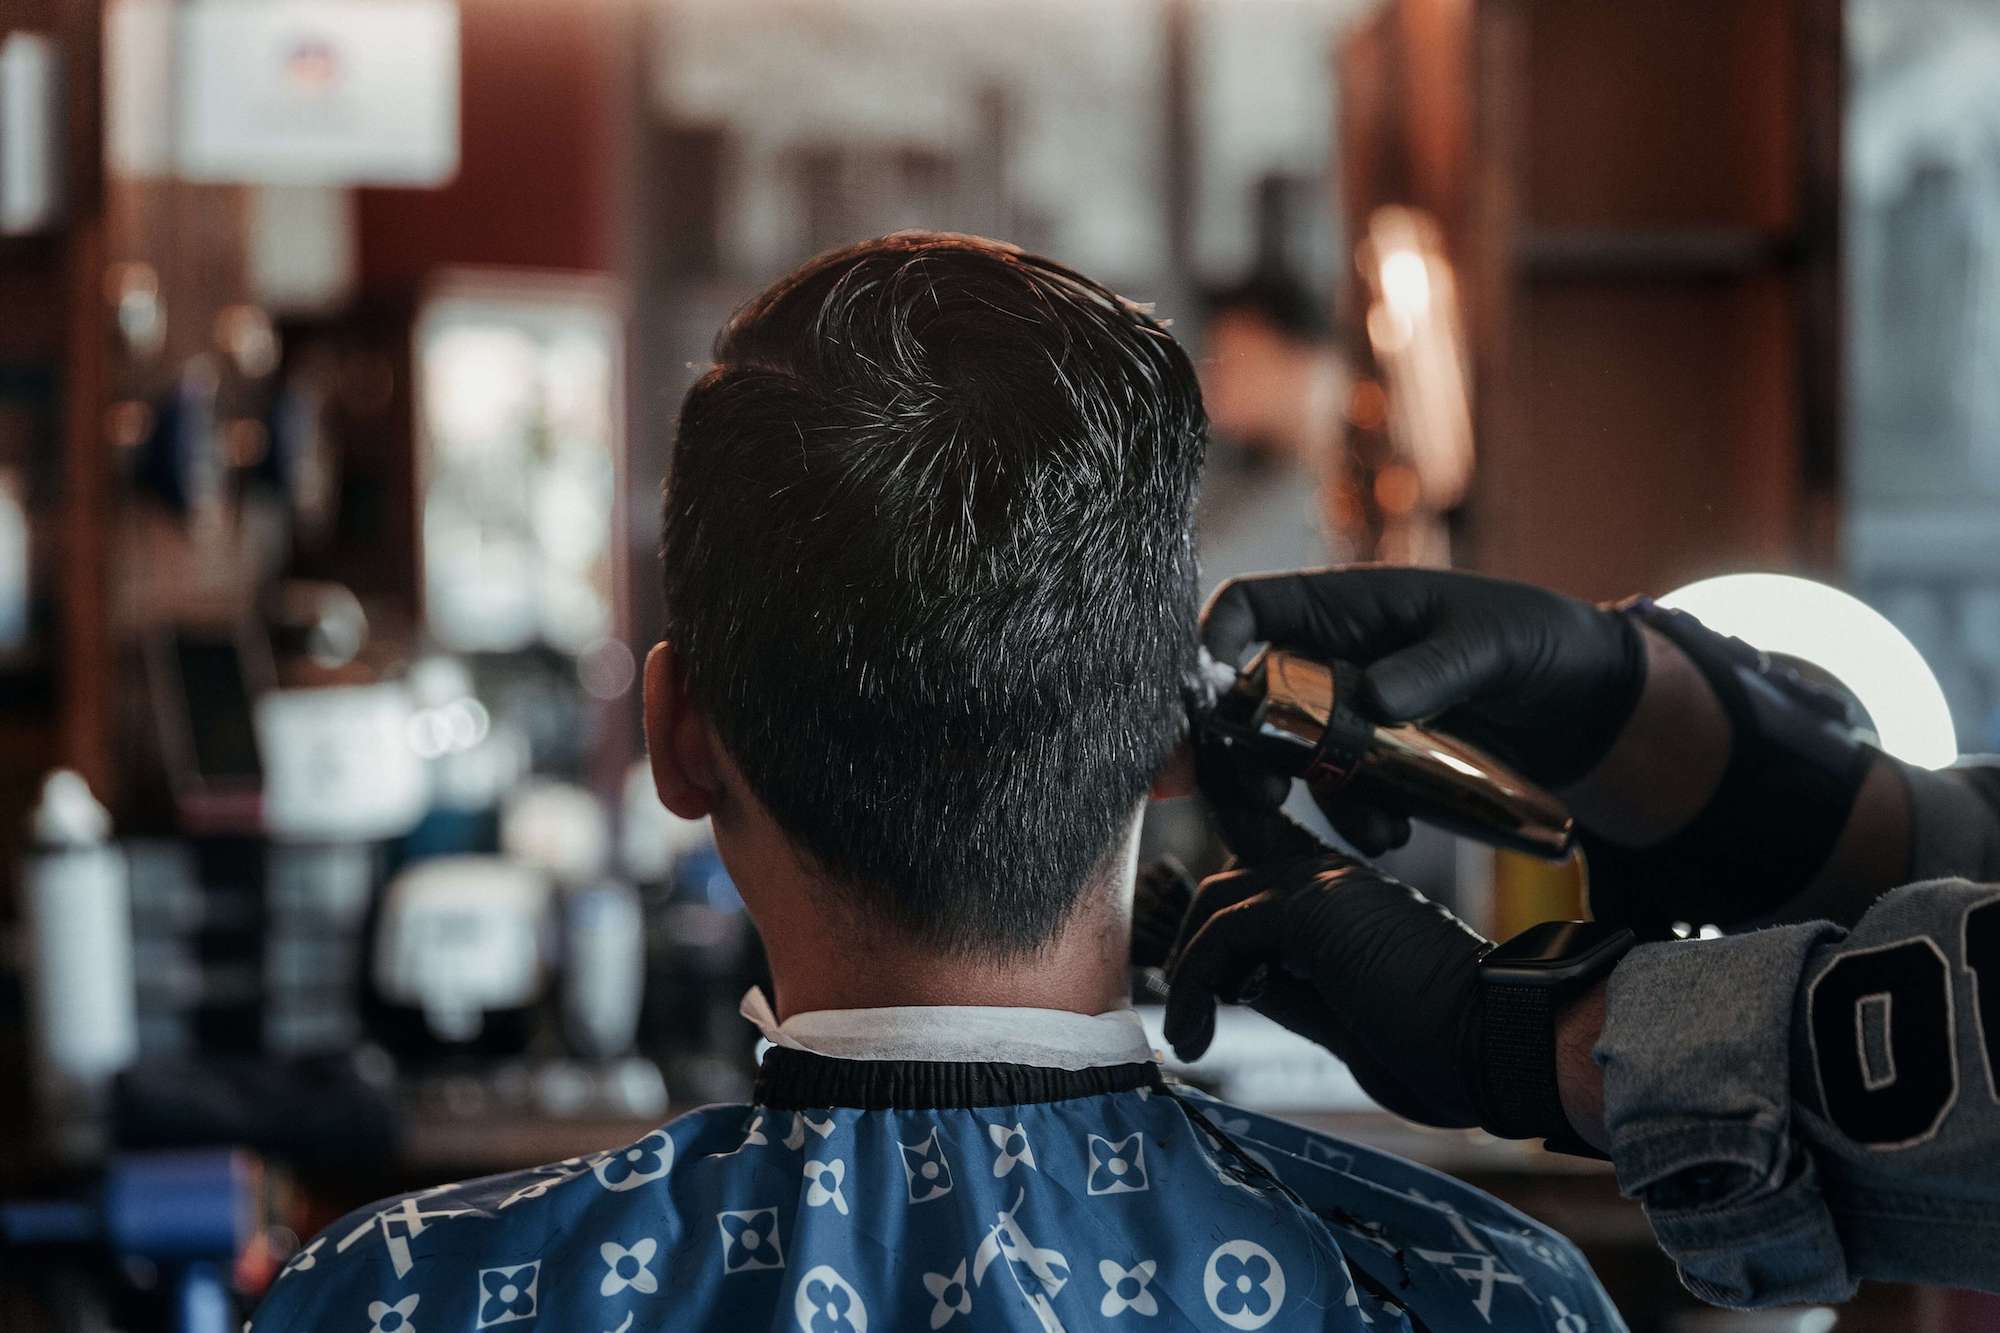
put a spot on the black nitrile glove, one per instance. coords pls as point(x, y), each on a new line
point(1544, 681)
point(1232, 940)
point(1346, 957)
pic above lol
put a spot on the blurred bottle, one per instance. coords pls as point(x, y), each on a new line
point(474, 761)
point(15, 589)
point(79, 925)
point(604, 969)
point(459, 962)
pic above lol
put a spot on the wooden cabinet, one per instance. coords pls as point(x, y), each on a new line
point(1641, 202)
point(55, 690)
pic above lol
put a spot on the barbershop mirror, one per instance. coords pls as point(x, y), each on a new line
point(520, 411)
point(519, 404)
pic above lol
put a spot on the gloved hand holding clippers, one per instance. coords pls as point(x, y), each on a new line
point(1392, 983)
point(1709, 784)
point(1436, 1022)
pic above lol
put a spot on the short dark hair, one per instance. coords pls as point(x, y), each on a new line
point(929, 561)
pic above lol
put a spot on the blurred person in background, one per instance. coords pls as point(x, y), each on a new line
point(1275, 387)
point(931, 598)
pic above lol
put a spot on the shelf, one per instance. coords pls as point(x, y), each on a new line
point(495, 1144)
point(1675, 254)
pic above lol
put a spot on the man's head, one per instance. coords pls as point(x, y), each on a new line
point(930, 576)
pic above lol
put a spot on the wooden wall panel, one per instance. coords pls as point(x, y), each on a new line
point(1653, 443)
point(1651, 116)
point(51, 299)
point(540, 181)
point(1643, 214)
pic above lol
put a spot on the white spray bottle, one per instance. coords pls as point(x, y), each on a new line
point(80, 987)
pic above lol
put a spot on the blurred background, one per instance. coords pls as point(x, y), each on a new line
point(340, 342)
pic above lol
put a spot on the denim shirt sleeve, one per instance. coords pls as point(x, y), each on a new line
point(1761, 1185)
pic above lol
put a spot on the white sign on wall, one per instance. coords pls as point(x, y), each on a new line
point(30, 132)
point(317, 92)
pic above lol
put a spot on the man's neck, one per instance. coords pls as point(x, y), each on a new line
point(825, 955)
point(1083, 970)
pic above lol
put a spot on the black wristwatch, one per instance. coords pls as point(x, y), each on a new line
point(1523, 984)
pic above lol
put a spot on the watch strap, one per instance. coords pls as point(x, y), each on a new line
point(1524, 984)
point(1519, 1094)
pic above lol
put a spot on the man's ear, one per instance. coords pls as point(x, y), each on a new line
point(1176, 778)
point(678, 741)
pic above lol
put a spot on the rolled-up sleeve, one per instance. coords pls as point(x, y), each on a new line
point(1804, 1107)
point(1697, 1056)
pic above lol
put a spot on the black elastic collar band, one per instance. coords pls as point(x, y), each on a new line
point(793, 1080)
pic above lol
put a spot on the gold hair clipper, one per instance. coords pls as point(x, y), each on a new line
point(1293, 713)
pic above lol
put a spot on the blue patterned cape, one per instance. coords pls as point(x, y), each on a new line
point(1150, 1207)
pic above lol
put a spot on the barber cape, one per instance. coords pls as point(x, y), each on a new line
point(949, 1168)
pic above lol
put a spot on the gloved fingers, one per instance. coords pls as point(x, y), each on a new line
point(1388, 994)
point(1354, 613)
point(1252, 609)
point(1216, 959)
point(1300, 611)
point(1217, 893)
point(1224, 776)
point(1294, 1005)
point(1396, 1097)
point(1434, 674)
point(1428, 1096)
point(1297, 1006)
point(1371, 829)
point(1265, 836)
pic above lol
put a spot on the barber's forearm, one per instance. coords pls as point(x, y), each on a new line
point(1667, 761)
point(1579, 1080)
point(1871, 857)
point(1666, 764)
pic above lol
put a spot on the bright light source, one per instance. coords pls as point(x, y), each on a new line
point(1406, 283)
point(1842, 636)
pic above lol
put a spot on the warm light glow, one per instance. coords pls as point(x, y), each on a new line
point(1389, 331)
point(1413, 327)
point(1842, 636)
point(1406, 283)
point(1367, 406)
point(1398, 488)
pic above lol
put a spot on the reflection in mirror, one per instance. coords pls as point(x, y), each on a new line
point(519, 392)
